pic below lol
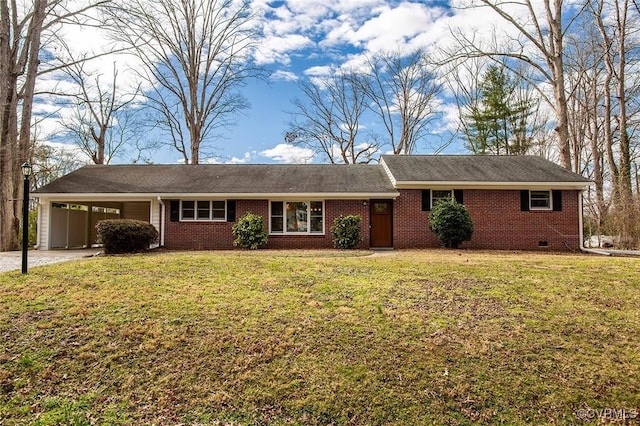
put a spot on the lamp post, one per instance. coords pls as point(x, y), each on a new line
point(26, 172)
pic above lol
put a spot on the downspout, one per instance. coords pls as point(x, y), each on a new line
point(161, 221)
point(581, 231)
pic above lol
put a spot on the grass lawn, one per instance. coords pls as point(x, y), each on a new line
point(319, 338)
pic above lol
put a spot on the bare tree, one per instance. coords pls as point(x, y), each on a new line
point(585, 70)
point(103, 124)
point(22, 27)
point(327, 119)
point(545, 33)
point(197, 54)
point(617, 30)
point(51, 162)
point(403, 91)
point(463, 78)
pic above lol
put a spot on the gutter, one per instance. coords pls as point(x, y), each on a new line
point(581, 233)
point(161, 221)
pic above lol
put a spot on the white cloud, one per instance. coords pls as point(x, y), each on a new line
point(318, 71)
point(290, 154)
point(282, 75)
point(246, 158)
point(278, 48)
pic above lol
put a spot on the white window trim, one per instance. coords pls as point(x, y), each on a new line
point(548, 191)
point(284, 217)
point(433, 190)
point(195, 212)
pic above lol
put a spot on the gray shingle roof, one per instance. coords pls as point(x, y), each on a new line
point(477, 168)
point(328, 179)
point(223, 178)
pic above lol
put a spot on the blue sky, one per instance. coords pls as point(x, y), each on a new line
point(304, 38)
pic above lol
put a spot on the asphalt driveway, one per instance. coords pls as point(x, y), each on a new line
point(12, 260)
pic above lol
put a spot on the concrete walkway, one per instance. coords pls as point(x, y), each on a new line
point(12, 260)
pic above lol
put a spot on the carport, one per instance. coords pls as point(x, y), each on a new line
point(71, 224)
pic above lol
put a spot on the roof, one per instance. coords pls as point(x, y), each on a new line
point(224, 179)
point(328, 180)
point(474, 169)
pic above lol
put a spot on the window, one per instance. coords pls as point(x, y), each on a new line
point(297, 217)
point(218, 210)
point(277, 216)
point(203, 210)
point(106, 210)
point(540, 200)
point(440, 195)
point(381, 208)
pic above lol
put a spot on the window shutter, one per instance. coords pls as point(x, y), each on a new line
point(174, 210)
point(231, 210)
point(524, 200)
point(426, 200)
point(556, 200)
point(457, 194)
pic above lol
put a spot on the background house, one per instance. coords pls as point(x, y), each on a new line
point(516, 202)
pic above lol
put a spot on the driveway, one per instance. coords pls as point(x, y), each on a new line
point(12, 260)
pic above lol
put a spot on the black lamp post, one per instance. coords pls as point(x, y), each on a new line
point(26, 172)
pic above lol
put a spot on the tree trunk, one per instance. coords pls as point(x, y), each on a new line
point(556, 65)
point(19, 58)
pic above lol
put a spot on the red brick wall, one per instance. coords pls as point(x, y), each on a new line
point(497, 219)
point(498, 224)
point(218, 235)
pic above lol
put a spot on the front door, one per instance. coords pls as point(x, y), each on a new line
point(381, 223)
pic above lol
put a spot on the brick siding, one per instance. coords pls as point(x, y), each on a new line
point(498, 224)
point(218, 235)
point(497, 220)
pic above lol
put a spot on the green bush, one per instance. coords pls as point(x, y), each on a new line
point(451, 223)
point(126, 235)
point(346, 232)
point(249, 232)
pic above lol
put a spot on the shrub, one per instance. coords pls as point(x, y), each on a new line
point(250, 232)
point(451, 223)
point(126, 235)
point(346, 232)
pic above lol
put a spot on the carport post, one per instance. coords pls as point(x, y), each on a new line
point(26, 172)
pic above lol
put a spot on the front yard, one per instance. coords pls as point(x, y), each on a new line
point(319, 338)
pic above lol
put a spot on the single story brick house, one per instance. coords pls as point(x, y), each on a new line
point(516, 202)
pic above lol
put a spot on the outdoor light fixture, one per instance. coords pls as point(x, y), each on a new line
point(26, 172)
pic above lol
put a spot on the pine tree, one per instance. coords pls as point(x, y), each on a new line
point(498, 124)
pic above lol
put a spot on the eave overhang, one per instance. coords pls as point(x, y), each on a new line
point(491, 185)
point(117, 196)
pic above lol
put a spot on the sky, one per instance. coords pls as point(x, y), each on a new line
point(304, 38)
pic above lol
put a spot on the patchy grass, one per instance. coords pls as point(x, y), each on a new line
point(318, 338)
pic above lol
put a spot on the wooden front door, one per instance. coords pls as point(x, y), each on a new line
point(381, 223)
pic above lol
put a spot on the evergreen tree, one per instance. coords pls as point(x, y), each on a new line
point(498, 123)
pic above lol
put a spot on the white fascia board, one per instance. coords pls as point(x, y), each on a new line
point(491, 185)
point(287, 195)
point(95, 197)
point(390, 175)
point(231, 196)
